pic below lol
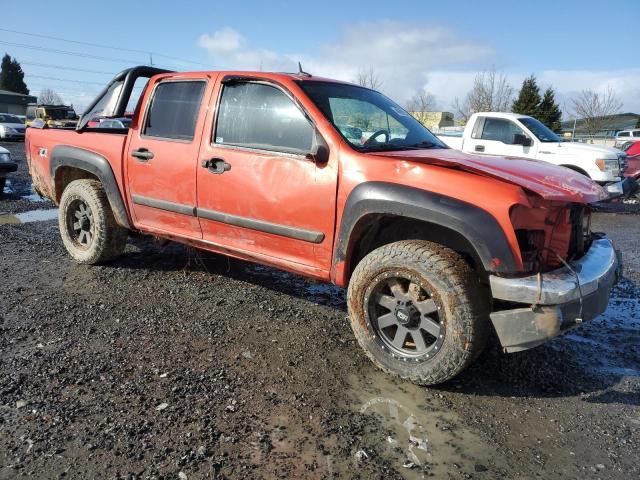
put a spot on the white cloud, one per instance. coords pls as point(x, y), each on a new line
point(407, 57)
point(223, 42)
point(401, 54)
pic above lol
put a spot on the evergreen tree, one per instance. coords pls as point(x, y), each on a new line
point(549, 111)
point(528, 101)
point(12, 76)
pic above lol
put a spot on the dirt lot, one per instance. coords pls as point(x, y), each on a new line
point(173, 364)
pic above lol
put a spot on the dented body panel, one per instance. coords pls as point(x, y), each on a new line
point(307, 216)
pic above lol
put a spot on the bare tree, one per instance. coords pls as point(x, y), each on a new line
point(595, 109)
point(421, 103)
point(368, 77)
point(491, 92)
point(49, 97)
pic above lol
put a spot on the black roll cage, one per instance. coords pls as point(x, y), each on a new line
point(128, 78)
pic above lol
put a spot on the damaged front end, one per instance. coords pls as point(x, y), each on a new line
point(572, 271)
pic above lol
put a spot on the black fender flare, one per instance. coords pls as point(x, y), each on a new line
point(96, 164)
point(477, 226)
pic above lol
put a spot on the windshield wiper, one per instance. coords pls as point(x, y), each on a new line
point(385, 147)
point(425, 144)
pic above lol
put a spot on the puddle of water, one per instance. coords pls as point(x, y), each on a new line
point(34, 197)
point(426, 438)
point(614, 335)
point(39, 215)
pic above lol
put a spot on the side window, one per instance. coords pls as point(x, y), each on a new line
point(624, 134)
point(255, 115)
point(174, 110)
point(500, 130)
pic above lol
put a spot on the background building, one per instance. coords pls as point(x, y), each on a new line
point(434, 120)
point(16, 103)
point(611, 126)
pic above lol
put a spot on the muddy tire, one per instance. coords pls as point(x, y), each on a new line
point(418, 311)
point(87, 226)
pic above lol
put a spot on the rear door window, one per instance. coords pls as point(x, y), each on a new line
point(255, 115)
point(174, 110)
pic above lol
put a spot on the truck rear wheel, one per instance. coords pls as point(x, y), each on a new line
point(418, 311)
point(87, 226)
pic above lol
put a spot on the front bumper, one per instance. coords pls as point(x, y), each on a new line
point(624, 188)
point(555, 301)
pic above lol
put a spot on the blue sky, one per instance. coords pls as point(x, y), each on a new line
point(438, 46)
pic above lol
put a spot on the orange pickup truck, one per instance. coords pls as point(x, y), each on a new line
point(438, 248)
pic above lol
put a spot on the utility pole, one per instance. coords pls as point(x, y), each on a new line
point(151, 59)
point(573, 135)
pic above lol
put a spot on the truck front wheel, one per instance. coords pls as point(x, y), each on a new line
point(87, 226)
point(418, 311)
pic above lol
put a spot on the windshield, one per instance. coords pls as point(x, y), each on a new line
point(61, 114)
point(540, 130)
point(368, 120)
point(9, 119)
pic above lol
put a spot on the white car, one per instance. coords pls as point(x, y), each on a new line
point(511, 134)
point(11, 128)
point(7, 165)
point(626, 136)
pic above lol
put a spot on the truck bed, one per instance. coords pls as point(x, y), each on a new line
point(451, 141)
point(40, 144)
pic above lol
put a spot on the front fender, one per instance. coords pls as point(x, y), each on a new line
point(476, 225)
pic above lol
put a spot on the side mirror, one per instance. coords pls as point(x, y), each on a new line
point(320, 151)
point(521, 139)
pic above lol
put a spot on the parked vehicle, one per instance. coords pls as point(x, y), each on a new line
point(114, 123)
point(7, 165)
point(436, 247)
point(627, 136)
point(632, 150)
point(11, 128)
point(511, 134)
point(54, 116)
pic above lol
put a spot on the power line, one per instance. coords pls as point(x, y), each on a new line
point(65, 52)
point(63, 79)
point(97, 45)
point(57, 67)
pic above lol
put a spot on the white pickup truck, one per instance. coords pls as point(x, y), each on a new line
point(511, 134)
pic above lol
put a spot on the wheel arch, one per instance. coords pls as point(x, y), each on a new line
point(72, 163)
point(377, 213)
point(577, 169)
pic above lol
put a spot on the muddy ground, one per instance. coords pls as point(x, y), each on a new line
point(173, 364)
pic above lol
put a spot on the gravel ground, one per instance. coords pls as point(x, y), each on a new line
point(170, 363)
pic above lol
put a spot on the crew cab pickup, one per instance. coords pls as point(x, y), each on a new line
point(511, 134)
point(437, 248)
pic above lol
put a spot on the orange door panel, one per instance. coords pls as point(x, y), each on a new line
point(162, 156)
point(262, 198)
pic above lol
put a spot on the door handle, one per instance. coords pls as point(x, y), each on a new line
point(216, 165)
point(479, 148)
point(142, 154)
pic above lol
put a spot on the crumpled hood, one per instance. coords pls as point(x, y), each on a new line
point(549, 181)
